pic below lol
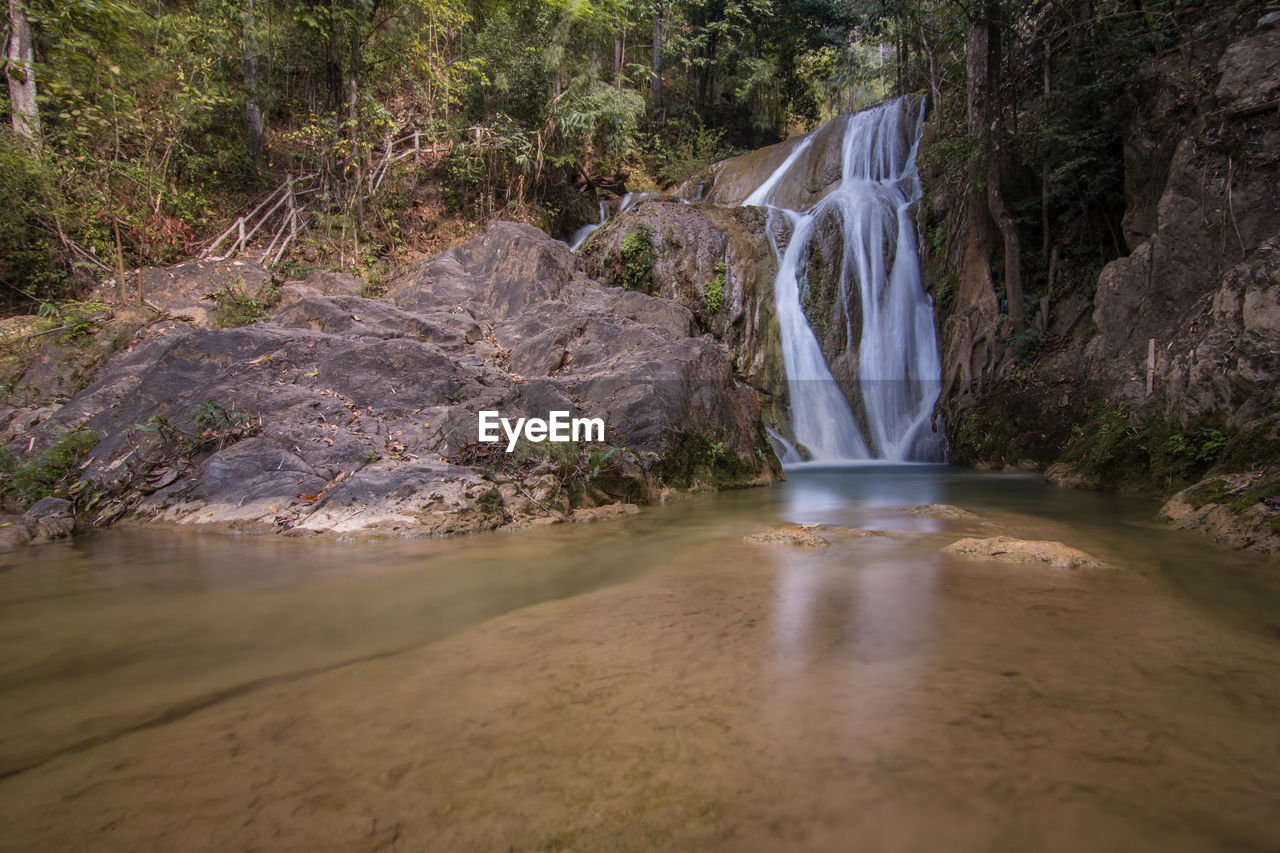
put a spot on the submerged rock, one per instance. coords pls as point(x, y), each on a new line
point(941, 511)
point(46, 520)
point(599, 513)
point(1010, 550)
point(796, 537)
point(1066, 475)
point(345, 415)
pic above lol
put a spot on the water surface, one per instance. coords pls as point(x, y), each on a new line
point(651, 682)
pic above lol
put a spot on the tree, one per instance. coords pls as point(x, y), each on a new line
point(252, 105)
point(22, 77)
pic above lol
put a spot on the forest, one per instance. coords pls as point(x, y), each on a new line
point(136, 131)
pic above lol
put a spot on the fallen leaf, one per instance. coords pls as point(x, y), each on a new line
point(269, 507)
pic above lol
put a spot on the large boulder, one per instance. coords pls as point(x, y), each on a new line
point(346, 415)
point(1240, 510)
point(716, 262)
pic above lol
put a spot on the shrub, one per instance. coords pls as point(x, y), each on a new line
point(713, 292)
point(51, 473)
point(637, 257)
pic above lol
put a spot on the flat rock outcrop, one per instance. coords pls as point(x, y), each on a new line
point(1009, 550)
point(795, 537)
point(47, 519)
point(1240, 510)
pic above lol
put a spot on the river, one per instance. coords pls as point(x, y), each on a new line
point(651, 682)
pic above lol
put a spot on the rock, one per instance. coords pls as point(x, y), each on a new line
point(45, 520)
point(797, 537)
point(1251, 72)
point(1065, 475)
point(1199, 276)
point(343, 415)
point(733, 180)
point(329, 283)
point(942, 511)
point(1239, 510)
point(689, 241)
point(1007, 549)
point(184, 289)
point(598, 513)
point(14, 531)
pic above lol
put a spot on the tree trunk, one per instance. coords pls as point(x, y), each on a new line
point(252, 107)
point(22, 77)
point(971, 330)
point(353, 77)
point(655, 93)
point(982, 49)
point(995, 196)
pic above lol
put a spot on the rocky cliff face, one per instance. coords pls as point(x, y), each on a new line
point(1174, 371)
point(714, 261)
point(347, 415)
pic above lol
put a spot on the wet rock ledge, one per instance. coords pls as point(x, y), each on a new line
point(346, 415)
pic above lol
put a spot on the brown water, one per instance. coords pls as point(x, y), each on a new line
point(653, 682)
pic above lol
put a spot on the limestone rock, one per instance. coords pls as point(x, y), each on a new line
point(1007, 549)
point(1240, 510)
point(360, 417)
point(796, 537)
point(942, 511)
point(45, 520)
point(1065, 475)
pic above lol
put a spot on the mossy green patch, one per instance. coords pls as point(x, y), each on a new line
point(697, 458)
point(491, 502)
point(637, 257)
point(53, 472)
point(235, 306)
point(713, 291)
point(1159, 455)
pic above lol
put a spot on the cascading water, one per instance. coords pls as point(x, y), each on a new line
point(899, 372)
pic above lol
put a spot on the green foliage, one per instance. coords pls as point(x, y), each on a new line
point(637, 257)
point(212, 425)
point(1026, 345)
point(1158, 454)
point(235, 306)
point(491, 502)
point(698, 458)
point(1239, 499)
point(944, 292)
point(713, 291)
point(53, 472)
point(682, 147)
point(594, 121)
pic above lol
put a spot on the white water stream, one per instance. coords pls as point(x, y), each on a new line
point(899, 371)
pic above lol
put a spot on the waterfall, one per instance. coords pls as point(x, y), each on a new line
point(899, 371)
point(580, 236)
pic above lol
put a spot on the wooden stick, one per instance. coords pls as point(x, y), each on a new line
point(1151, 366)
point(124, 299)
